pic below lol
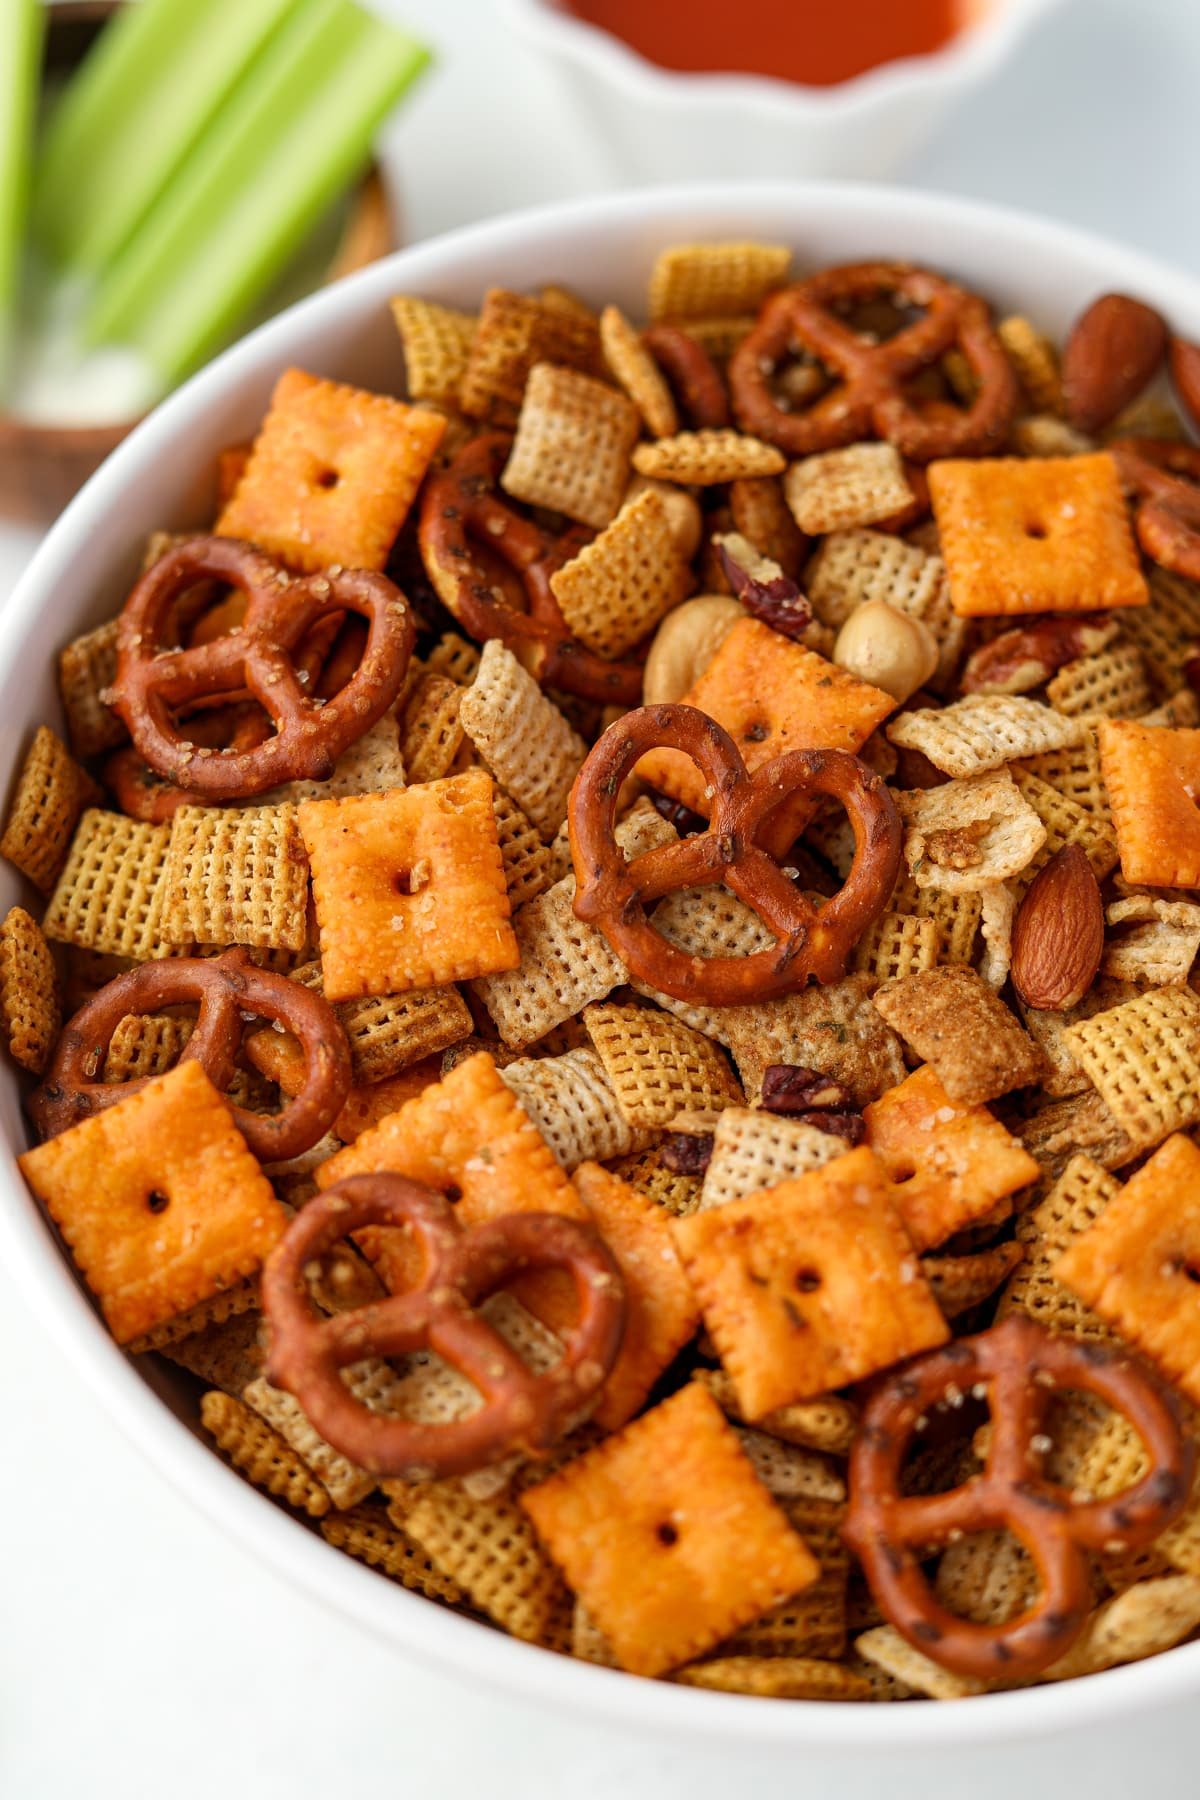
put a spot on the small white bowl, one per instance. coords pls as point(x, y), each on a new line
point(161, 478)
point(662, 125)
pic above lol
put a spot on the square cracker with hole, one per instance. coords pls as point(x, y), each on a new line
point(409, 887)
point(332, 474)
point(1138, 1266)
point(809, 1285)
point(159, 1201)
point(1036, 534)
point(951, 1164)
point(667, 1535)
point(772, 696)
point(952, 1019)
point(1152, 777)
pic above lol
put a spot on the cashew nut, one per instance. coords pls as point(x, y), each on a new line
point(888, 648)
point(684, 645)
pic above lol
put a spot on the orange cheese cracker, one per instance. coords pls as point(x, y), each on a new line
point(667, 1535)
point(771, 695)
point(1031, 534)
point(810, 1284)
point(1152, 776)
point(661, 1313)
point(332, 474)
point(951, 1163)
point(466, 1135)
point(159, 1200)
point(1138, 1266)
point(409, 887)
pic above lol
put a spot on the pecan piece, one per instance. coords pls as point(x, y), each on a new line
point(687, 1153)
point(762, 587)
point(790, 1089)
point(1022, 659)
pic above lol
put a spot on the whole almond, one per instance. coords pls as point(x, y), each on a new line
point(1113, 350)
point(1185, 375)
point(1058, 934)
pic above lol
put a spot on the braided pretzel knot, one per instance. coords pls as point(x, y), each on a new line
point(870, 399)
point(153, 684)
point(755, 820)
point(512, 601)
point(1021, 1365)
point(231, 992)
point(1165, 477)
point(521, 1409)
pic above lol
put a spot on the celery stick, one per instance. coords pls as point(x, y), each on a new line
point(295, 135)
point(20, 75)
point(130, 115)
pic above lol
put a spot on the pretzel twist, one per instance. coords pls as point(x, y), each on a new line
point(755, 819)
point(520, 1409)
point(259, 659)
point(870, 399)
point(692, 373)
point(1164, 477)
point(508, 596)
point(231, 992)
point(1020, 1365)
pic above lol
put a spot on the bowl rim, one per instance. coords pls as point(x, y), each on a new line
point(285, 1544)
point(970, 57)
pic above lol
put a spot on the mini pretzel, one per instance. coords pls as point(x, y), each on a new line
point(154, 685)
point(1165, 478)
point(1020, 1365)
point(507, 596)
point(232, 992)
point(871, 400)
point(755, 820)
point(520, 1410)
point(692, 373)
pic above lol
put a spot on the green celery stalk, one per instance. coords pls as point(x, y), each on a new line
point(20, 74)
point(126, 121)
point(295, 135)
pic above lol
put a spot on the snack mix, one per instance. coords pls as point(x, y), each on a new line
point(627, 930)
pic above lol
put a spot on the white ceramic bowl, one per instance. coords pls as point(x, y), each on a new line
point(161, 478)
point(662, 125)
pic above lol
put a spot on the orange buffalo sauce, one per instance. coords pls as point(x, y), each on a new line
point(813, 42)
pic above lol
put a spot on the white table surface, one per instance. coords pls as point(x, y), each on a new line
point(140, 1652)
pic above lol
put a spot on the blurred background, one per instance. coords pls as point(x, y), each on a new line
point(138, 1640)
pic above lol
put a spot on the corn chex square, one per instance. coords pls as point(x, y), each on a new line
point(635, 370)
point(571, 1101)
point(573, 444)
point(708, 458)
point(236, 875)
point(488, 1549)
point(1138, 1266)
point(620, 585)
point(522, 737)
point(87, 668)
point(752, 1150)
point(1036, 534)
point(657, 1066)
point(437, 341)
point(846, 489)
point(951, 1164)
point(409, 887)
point(51, 792)
point(1113, 682)
point(720, 280)
point(667, 1535)
point(30, 1012)
point(1075, 1202)
point(110, 896)
point(159, 1201)
point(332, 474)
point(515, 332)
point(1144, 1059)
point(786, 1278)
